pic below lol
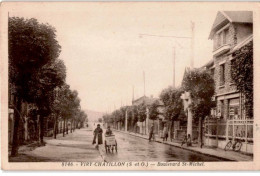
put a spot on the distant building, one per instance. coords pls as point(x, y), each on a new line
point(158, 124)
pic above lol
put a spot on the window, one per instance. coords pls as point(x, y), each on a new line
point(234, 110)
point(222, 74)
point(220, 113)
point(219, 40)
point(222, 37)
point(225, 35)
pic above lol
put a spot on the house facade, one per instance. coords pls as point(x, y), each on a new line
point(231, 30)
point(144, 127)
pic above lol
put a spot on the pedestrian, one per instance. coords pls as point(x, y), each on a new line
point(98, 135)
point(184, 141)
point(165, 133)
point(151, 134)
point(188, 140)
point(109, 131)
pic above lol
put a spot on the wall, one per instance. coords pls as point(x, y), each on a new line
point(243, 31)
point(246, 147)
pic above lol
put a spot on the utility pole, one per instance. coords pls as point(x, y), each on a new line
point(192, 45)
point(174, 49)
point(144, 81)
point(173, 67)
point(133, 98)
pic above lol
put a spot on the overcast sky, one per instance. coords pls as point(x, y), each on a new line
point(105, 55)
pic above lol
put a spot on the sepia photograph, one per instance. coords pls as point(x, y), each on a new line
point(94, 85)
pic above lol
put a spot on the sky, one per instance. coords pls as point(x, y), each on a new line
point(106, 56)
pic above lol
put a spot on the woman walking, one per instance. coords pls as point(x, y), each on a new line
point(98, 135)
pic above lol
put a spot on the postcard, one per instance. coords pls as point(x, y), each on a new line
point(130, 85)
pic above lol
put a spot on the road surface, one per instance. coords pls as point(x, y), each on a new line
point(77, 146)
point(132, 148)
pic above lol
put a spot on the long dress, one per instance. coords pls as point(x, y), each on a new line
point(98, 134)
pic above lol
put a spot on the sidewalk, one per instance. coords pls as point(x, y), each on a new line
point(215, 152)
point(76, 146)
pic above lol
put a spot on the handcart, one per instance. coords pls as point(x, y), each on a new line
point(110, 143)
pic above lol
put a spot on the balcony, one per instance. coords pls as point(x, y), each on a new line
point(222, 49)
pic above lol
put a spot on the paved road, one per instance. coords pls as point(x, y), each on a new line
point(77, 146)
point(131, 148)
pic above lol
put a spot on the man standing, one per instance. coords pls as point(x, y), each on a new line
point(151, 135)
point(165, 133)
point(98, 134)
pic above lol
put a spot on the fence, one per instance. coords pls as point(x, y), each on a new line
point(229, 129)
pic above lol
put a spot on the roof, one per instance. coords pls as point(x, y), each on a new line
point(208, 64)
point(225, 17)
point(147, 100)
point(239, 16)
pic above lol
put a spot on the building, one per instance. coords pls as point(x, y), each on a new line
point(231, 30)
point(143, 127)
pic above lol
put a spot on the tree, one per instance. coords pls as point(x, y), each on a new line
point(174, 110)
point(141, 110)
point(69, 106)
point(83, 118)
point(134, 118)
point(43, 85)
point(129, 117)
point(111, 119)
point(75, 109)
point(201, 86)
point(153, 111)
point(171, 98)
point(31, 45)
point(122, 115)
point(242, 74)
point(105, 118)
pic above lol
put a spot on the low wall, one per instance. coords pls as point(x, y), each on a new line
point(221, 143)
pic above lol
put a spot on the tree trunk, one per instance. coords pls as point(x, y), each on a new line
point(55, 127)
point(142, 127)
point(39, 128)
point(15, 142)
point(71, 126)
point(63, 129)
point(172, 130)
point(200, 132)
point(40, 120)
point(67, 130)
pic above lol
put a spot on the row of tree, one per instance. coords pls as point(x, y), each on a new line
point(135, 113)
point(198, 82)
point(37, 77)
